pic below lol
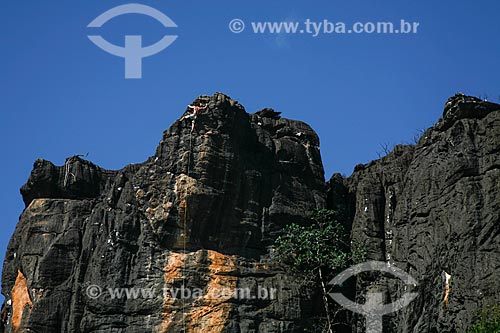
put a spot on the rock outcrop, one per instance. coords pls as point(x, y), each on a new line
point(433, 210)
point(199, 215)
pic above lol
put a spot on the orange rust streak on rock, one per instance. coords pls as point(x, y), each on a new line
point(210, 312)
point(447, 289)
point(213, 309)
point(446, 295)
point(185, 187)
point(20, 298)
point(173, 269)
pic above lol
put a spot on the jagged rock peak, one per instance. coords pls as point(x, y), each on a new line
point(216, 101)
point(204, 211)
point(77, 178)
point(268, 113)
point(462, 106)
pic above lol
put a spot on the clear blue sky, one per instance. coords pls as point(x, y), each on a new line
point(61, 95)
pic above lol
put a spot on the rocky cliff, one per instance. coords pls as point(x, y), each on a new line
point(202, 214)
point(433, 210)
point(199, 215)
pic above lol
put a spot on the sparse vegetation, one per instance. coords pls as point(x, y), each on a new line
point(386, 149)
point(487, 321)
point(320, 251)
point(418, 134)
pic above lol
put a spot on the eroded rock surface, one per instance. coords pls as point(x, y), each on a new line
point(201, 213)
point(433, 210)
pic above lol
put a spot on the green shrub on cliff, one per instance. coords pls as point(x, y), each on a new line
point(319, 249)
point(487, 321)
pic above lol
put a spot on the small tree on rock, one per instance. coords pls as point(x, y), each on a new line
point(319, 250)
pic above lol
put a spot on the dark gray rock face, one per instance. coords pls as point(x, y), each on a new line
point(433, 210)
point(201, 213)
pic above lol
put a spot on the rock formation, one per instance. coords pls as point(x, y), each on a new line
point(433, 210)
point(203, 212)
